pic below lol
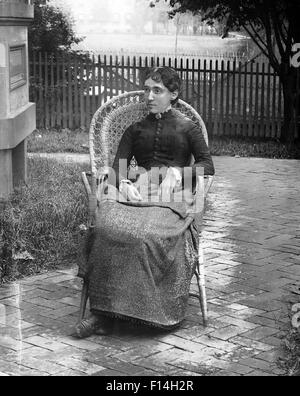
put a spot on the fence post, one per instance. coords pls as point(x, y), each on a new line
point(204, 91)
point(210, 123)
point(93, 71)
point(222, 97)
point(280, 98)
point(233, 100)
point(268, 101)
point(262, 104)
point(41, 94)
point(256, 125)
point(46, 96)
point(274, 124)
point(64, 82)
point(198, 86)
point(76, 94)
point(82, 101)
point(227, 127)
point(245, 131)
point(70, 94)
point(58, 92)
point(52, 90)
point(250, 118)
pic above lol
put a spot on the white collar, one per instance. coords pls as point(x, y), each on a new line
point(158, 115)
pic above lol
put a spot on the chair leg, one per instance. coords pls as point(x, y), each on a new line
point(201, 284)
point(83, 301)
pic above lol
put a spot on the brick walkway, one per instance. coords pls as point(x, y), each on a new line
point(252, 247)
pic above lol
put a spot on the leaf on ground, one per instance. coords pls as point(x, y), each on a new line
point(22, 256)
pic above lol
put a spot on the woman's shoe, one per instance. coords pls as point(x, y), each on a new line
point(86, 327)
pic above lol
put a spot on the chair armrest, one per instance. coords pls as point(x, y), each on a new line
point(93, 189)
point(100, 179)
point(86, 183)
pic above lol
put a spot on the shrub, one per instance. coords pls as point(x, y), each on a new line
point(291, 361)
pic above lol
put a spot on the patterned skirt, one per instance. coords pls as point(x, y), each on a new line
point(141, 258)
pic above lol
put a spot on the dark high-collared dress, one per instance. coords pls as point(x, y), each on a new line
point(143, 254)
point(168, 141)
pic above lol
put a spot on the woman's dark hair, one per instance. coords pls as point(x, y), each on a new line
point(166, 75)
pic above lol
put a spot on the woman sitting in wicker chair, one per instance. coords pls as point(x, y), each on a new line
point(144, 246)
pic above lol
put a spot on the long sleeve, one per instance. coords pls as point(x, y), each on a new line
point(202, 158)
point(124, 155)
point(200, 152)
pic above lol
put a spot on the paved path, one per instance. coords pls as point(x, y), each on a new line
point(252, 250)
point(64, 157)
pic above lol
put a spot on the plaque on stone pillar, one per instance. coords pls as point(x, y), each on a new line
point(17, 114)
point(17, 66)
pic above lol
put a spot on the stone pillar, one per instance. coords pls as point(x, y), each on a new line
point(6, 174)
point(19, 163)
point(17, 114)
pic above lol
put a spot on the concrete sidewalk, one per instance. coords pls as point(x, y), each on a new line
point(252, 251)
point(63, 157)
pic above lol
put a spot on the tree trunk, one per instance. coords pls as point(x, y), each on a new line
point(289, 84)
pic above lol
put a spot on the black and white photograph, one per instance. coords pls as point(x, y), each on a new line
point(149, 191)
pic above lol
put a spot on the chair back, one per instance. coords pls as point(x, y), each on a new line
point(112, 119)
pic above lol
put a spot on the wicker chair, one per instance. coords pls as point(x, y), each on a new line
point(107, 127)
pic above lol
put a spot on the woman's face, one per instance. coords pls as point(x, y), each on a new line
point(158, 97)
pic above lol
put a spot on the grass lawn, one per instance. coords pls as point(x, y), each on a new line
point(53, 141)
point(39, 226)
point(160, 44)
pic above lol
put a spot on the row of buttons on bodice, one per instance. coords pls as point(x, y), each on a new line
point(156, 139)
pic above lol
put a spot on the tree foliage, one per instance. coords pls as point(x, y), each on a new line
point(51, 29)
point(272, 24)
point(274, 27)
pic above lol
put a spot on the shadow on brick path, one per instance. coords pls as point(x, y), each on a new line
point(252, 251)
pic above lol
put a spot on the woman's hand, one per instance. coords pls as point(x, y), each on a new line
point(172, 180)
point(130, 192)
